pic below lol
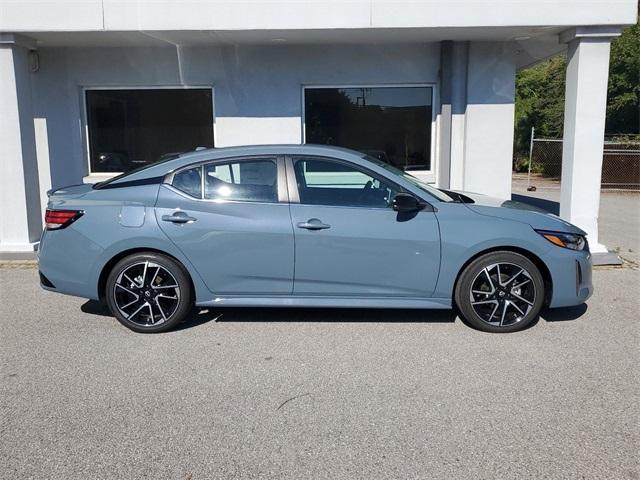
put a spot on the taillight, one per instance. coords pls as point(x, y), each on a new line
point(57, 219)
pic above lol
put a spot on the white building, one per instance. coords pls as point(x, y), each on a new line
point(91, 87)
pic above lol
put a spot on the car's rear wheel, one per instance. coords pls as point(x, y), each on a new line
point(500, 292)
point(149, 292)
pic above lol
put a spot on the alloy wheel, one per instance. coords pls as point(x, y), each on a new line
point(502, 294)
point(146, 293)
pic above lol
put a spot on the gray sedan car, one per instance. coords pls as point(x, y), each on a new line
point(304, 226)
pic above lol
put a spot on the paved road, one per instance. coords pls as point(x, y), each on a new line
point(318, 394)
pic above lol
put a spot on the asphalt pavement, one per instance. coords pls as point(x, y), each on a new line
point(311, 394)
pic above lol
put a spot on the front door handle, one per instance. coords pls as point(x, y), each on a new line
point(313, 224)
point(178, 217)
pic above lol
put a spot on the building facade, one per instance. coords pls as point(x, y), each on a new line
point(89, 89)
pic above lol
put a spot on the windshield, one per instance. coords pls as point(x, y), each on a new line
point(440, 195)
point(162, 159)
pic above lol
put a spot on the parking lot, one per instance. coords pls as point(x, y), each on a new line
point(301, 393)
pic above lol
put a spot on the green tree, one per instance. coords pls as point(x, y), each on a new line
point(623, 100)
point(540, 94)
point(539, 102)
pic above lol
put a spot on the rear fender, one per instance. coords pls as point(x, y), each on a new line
point(159, 244)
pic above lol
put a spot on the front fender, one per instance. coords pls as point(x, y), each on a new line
point(465, 234)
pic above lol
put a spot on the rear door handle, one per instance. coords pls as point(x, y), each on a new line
point(178, 217)
point(313, 224)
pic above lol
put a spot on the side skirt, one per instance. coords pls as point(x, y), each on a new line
point(335, 302)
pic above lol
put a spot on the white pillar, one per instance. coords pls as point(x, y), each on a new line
point(584, 119)
point(20, 222)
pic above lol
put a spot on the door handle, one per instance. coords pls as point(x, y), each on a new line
point(178, 217)
point(313, 224)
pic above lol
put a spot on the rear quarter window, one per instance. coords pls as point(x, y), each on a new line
point(189, 181)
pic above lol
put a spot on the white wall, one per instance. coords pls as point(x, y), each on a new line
point(20, 224)
point(257, 90)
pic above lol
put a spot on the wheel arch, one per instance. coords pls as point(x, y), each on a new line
point(106, 269)
point(537, 261)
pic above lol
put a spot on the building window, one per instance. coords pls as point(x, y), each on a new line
point(390, 123)
point(135, 127)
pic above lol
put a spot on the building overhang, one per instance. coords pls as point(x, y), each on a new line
point(533, 26)
point(530, 44)
point(224, 15)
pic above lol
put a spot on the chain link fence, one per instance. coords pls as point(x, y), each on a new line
point(620, 163)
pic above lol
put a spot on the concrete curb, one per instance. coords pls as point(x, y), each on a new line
point(606, 258)
point(18, 263)
point(18, 256)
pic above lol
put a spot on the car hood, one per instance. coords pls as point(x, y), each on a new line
point(537, 217)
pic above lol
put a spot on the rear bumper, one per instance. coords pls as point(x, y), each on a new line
point(65, 261)
point(571, 277)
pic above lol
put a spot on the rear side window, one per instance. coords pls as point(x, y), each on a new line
point(189, 181)
point(246, 181)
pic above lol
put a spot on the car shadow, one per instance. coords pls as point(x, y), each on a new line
point(94, 307)
point(548, 205)
point(342, 315)
point(564, 314)
point(201, 316)
point(317, 315)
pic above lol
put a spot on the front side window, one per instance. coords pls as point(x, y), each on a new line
point(327, 182)
point(131, 128)
point(246, 181)
point(392, 124)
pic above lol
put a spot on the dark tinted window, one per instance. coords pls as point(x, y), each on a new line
point(326, 182)
point(189, 181)
point(132, 128)
point(392, 124)
point(248, 181)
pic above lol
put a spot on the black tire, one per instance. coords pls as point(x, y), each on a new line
point(518, 301)
point(166, 306)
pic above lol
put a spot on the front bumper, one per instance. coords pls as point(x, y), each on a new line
point(571, 277)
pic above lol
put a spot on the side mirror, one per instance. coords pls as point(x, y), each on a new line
point(403, 202)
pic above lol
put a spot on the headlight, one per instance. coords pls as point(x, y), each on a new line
point(572, 241)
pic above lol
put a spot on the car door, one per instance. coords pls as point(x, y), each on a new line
point(231, 219)
point(348, 239)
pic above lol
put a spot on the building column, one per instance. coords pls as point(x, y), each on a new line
point(457, 78)
point(20, 222)
point(584, 120)
point(489, 119)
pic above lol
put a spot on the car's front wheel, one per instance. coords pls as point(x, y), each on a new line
point(149, 292)
point(500, 292)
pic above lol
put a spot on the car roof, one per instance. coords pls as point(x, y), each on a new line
point(285, 148)
point(164, 167)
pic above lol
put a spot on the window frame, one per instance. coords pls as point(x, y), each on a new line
point(84, 116)
point(429, 175)
point(281, 179)
point(292, 182)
